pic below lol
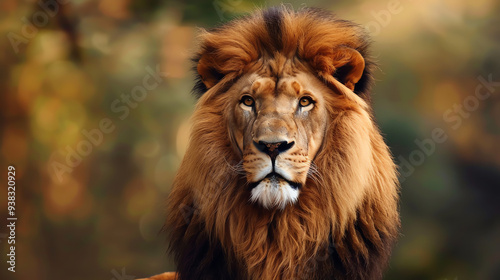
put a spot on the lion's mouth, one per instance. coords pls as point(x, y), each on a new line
point(275, 179)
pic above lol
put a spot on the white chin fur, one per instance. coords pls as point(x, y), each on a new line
point(274, 192)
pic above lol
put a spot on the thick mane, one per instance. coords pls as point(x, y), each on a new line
point(312, 35)
point(345, 222)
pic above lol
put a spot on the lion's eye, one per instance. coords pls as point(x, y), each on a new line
point(305, 101)
point(247, 101)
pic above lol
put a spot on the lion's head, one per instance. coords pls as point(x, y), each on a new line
point(284, 158)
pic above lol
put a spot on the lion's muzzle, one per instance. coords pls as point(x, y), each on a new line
point(276, 188)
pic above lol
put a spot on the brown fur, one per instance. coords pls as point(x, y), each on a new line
point(345, 220)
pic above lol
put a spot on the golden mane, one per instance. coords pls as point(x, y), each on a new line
point(346, 220)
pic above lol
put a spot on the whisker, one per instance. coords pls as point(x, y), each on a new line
point(237, 168)
point(314, 173)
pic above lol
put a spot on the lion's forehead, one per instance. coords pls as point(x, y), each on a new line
point(278, 86)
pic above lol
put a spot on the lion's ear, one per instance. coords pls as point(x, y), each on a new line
point(349, 66)
point(221, 56)
point(207, 69)
point(342, 63)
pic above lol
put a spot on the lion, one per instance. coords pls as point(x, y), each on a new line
point(286, 175)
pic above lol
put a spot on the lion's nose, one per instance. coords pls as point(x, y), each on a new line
point(273, 149)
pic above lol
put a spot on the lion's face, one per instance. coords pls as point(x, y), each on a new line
point(278, 126)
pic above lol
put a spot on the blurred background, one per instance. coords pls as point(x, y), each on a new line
point(95, 101)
